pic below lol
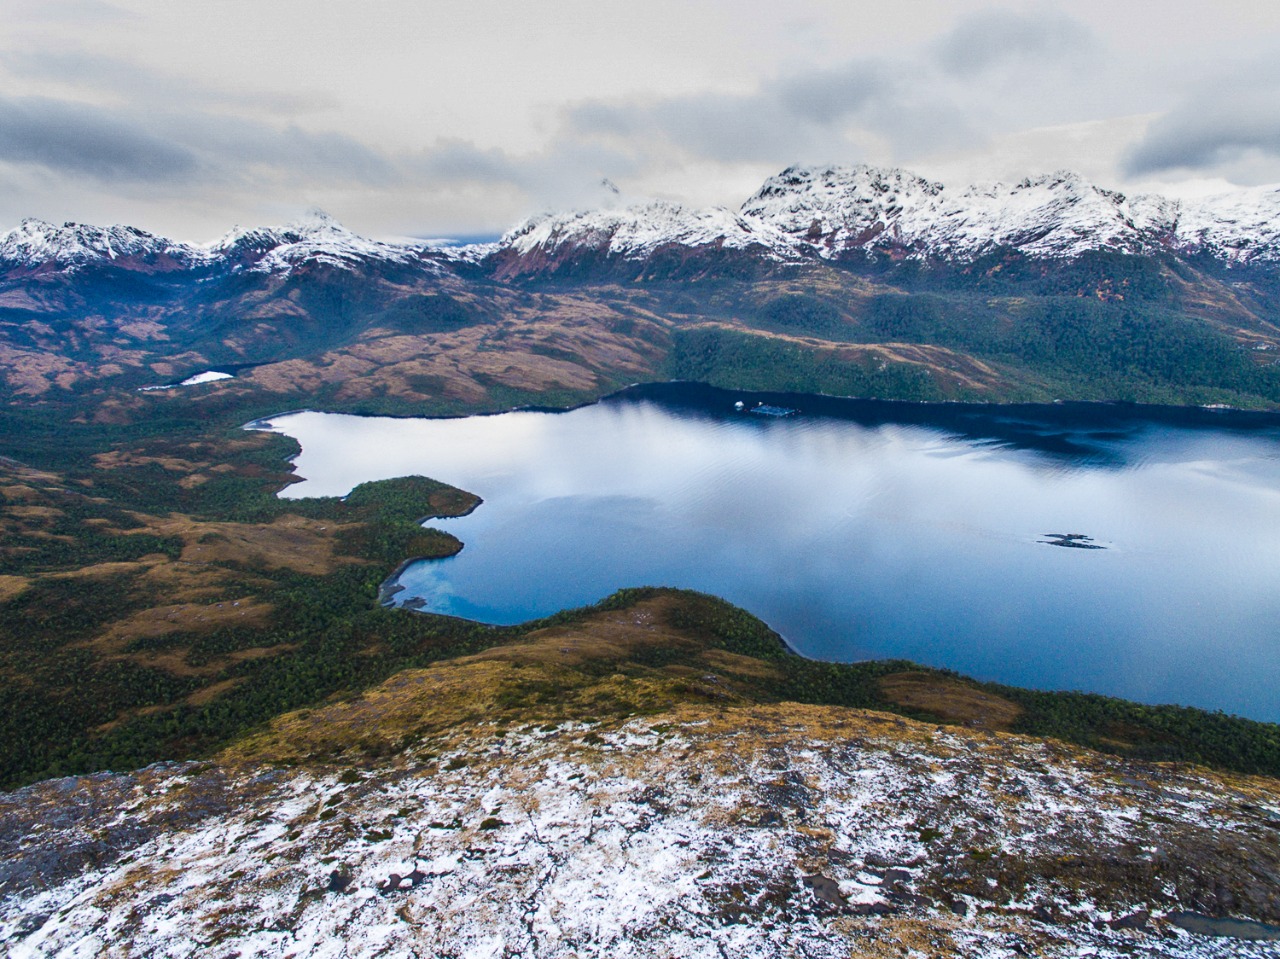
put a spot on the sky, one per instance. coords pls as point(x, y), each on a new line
point(457, 119)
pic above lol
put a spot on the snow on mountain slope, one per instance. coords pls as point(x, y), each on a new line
point(317, 237)
point(1059, 215)
point(1243, 226)
point(836, 208)
point(636, 232)
point(801, 212)
point(833, 210)
point(35, 244)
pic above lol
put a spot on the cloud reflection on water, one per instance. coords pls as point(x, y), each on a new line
point(856, 536)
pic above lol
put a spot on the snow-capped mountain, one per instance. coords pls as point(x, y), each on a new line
point(317, 237)
point(36, 244)
point(1243, 226)
point(831, 212)
point(837, 210)
point(834, 212)
point(636, 232)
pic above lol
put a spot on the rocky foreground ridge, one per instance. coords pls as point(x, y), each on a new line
point(502, 804)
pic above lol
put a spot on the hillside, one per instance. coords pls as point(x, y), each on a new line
point(624, 783)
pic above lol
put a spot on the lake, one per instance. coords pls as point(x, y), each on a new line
point(865, 529)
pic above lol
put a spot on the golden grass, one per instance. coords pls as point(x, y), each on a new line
point(180, 617)
point(288, 542)
point(12, 586)
point(555, 674)
point(951, 700)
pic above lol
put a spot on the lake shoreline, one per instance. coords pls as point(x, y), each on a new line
point(986, 482)
point(1212, 415)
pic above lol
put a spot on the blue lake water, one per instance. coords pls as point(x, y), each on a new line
point(861, 529)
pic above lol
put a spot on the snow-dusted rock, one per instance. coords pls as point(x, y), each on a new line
point(317, 237)
point(35, 244)
point(775, 831)
point(836, 208)
point(637, 232)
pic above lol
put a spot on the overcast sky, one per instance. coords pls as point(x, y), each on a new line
point(416, 117)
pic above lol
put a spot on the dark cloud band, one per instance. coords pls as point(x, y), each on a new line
point(71, 138)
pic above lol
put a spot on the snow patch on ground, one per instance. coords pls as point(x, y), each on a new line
point(648, 840)
point(209, 376)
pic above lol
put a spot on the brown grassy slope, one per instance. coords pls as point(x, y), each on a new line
point(206, 576)
point(640, 660)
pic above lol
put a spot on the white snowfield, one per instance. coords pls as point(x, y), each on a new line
point(637, 232)
point(35, 243)
point(316, 237)
point(798, 214)
point(696, 838)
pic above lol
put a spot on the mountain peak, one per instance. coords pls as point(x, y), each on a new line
point(315, 220)
point(37, 243)
point(634, 232)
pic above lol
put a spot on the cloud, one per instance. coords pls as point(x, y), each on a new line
point(133, 151)
point(125, 145)
point(826, 96)
point(92, 75)
point(238, 147)
point(64, 11)
point(1226, 125)
point(820, 114)
point(454, 159)
point(74, 139)
point(1205, 140)
point(994, 38)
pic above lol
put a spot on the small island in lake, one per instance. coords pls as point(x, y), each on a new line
point(1071, 540)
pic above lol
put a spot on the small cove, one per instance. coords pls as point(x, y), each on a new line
point(860, 529)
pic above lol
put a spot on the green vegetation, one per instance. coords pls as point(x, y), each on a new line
point(1036, 348)
point(809, 315)
point(1165, 733)
point(745, 361)
point(429, 313)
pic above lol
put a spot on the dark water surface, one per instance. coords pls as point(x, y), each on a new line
point(861, 529)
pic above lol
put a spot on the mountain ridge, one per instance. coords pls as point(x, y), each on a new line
point(801, 213)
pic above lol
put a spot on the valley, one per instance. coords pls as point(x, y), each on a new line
point(309, 764)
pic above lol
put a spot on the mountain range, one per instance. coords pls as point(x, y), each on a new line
point(828, 212)
point(849, 280)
